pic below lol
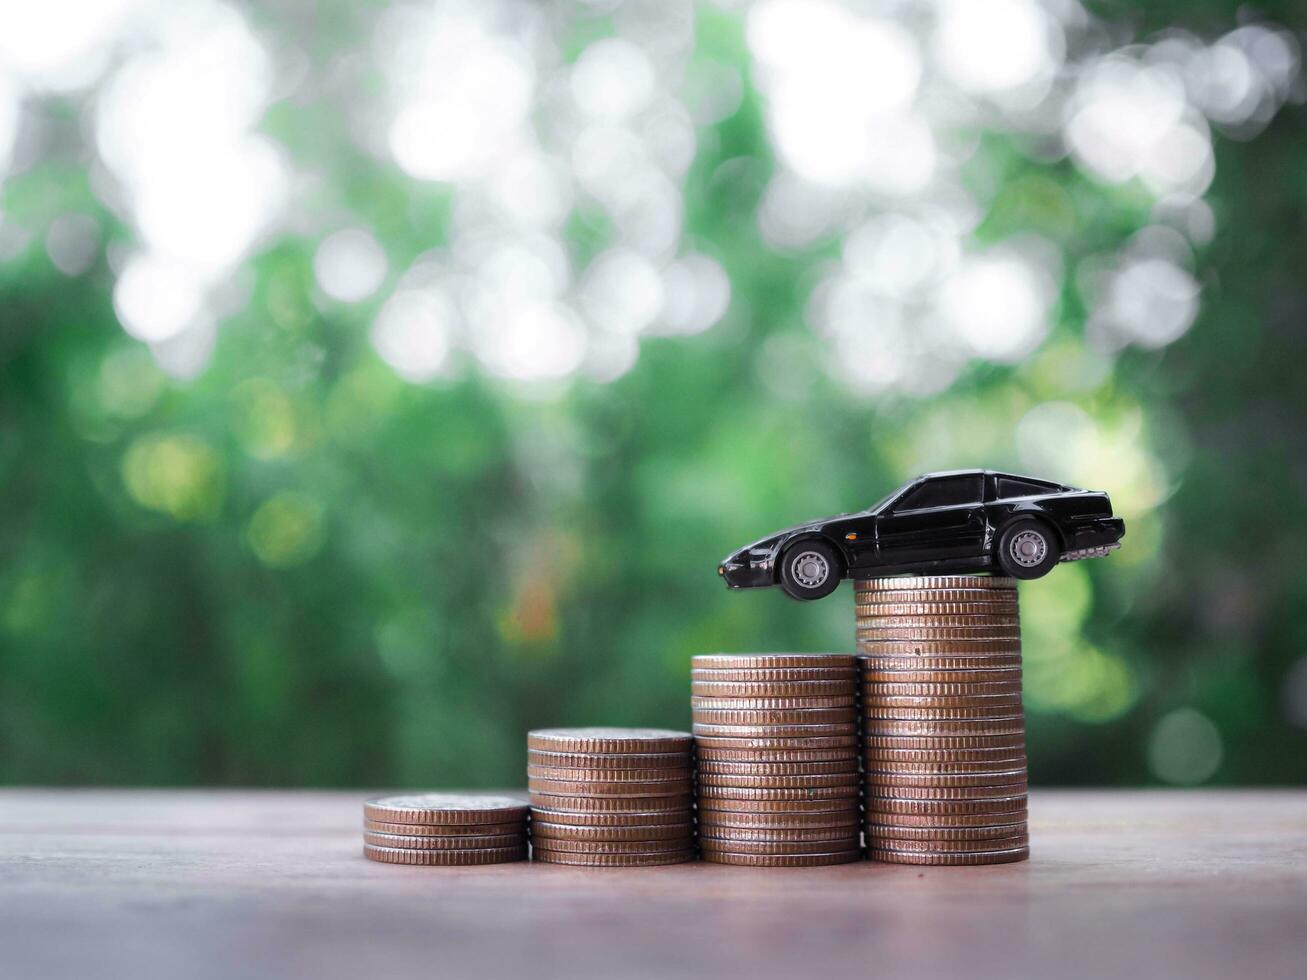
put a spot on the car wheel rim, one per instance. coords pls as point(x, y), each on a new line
point(1028, 549)
point(810, 569)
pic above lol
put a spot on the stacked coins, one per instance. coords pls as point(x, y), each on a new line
point(611, 797)
point(944, 748)
point(444, 829)
point(776, 736)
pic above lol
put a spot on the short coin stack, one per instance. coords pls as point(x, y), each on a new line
point(944, 749)
point(445, 829)
point(776, 736)
point(611, 797)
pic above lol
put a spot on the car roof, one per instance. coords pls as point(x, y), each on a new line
point(1011, 476)
point(940, 473)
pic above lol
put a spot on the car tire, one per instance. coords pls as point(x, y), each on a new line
point(1027, 549)
point(810, 570)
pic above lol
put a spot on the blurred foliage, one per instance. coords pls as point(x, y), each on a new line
point(299, 569)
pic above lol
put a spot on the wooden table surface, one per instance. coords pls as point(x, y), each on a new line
point(198, 884)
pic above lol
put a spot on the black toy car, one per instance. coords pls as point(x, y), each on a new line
point(960, 521)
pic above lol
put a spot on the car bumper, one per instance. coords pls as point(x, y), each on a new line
point(737, 575)
point(1095, 540)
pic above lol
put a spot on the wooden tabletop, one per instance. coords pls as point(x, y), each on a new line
point(205, 884)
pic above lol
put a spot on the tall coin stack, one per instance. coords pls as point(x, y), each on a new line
point(776, 736)
point(444, 829)
point(611, 797)
point(944, 748)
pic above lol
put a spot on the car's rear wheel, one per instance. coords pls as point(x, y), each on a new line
point(1027, 549)
point(810, 570)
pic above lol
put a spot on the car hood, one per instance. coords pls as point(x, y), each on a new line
point(777, 536)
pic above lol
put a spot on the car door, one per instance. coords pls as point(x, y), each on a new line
point(943, 518)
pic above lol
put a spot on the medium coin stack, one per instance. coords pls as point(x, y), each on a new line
point(944, 749)
point(776, 737)
point(444, 829)
point(611, 797)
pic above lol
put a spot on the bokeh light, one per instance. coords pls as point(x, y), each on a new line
point(349, 265)
point(1185, 748)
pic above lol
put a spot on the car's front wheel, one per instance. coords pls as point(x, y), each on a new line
point(1027, 549)
point(810, 570)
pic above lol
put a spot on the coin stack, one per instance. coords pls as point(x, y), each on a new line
point(776, 736)
point(445, 829)
point(944, 750)
point(611, 797)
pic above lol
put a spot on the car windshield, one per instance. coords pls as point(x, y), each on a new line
point(885, 501)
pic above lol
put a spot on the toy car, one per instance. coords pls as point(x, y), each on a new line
point(959, 521)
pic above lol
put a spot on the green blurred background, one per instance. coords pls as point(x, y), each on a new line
point(380, 381)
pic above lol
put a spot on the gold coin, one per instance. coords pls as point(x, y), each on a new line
point(1019, 839)
point(938, 665)
point(955, 648)
point(842, 804)
point(928, 582)
point(609, 741)
point(402, 855)
point(709, 767)
point(770, 661)
point(638, 832)
point(714, 780)
point(769, 675)
point(999, 709)
point(776, 757)
point(1008, 804)
point(946, 822)
point(984, 832)
point(846, 687)
point(783, 743)
point(776, 794)
point(452, 831)
point(921, 675)
point(799, 835)
point(945, 743)
point(1006, 702)
point(990, 791)
point(989, 600)
point(465, 843)
point(1007, 725)
point(776, 704)
point(890, 778)
point(621, 760)
point(644, 788)
point(943, 766)
point(773, 732)
point(610, 804)
point(976, 689)
point(611, 818)
point(613, 860)
point(764, 822)
point(1004, 606)
point(974, 621)
point(872, 639)
point(977, 857)
point(610, 775)
point(791, 716)
point(445, 808)
point(734, 845)
point(783, 860)
point(562, 844)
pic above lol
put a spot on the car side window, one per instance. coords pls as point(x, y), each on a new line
point(949, 491)
point(1018, 488)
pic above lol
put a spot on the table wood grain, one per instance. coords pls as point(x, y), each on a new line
point(199, 884)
